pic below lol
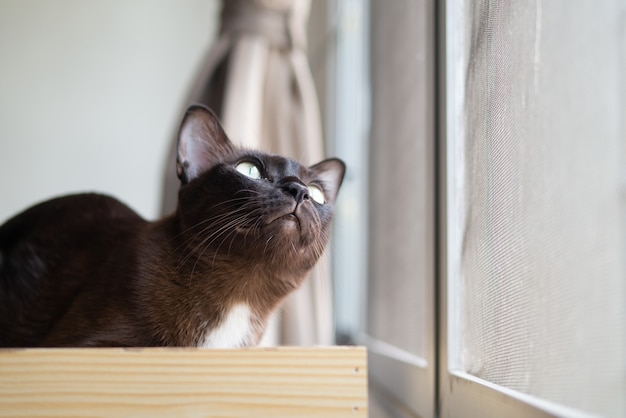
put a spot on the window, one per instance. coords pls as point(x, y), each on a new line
point(496, 268)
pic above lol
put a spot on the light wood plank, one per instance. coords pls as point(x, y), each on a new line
point(259, 382)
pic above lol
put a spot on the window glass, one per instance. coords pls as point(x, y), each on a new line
point(402, 201)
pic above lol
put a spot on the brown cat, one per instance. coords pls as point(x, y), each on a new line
point(85, 270)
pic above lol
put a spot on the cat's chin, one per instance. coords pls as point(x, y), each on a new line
point(288, 221)
point(288, 225)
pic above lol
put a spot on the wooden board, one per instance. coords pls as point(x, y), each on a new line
point(259, 382)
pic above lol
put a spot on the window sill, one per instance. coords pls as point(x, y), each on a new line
point(276, 382)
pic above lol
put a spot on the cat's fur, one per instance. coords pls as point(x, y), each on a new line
point(85, 270)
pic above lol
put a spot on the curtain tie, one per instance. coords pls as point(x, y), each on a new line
point(281, 22)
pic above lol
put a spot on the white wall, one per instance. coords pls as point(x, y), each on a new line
point(91, 93)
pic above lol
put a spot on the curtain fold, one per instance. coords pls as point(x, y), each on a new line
point(256, 77)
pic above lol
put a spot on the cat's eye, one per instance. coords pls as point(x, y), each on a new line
point(317, 194)
point(249, 169)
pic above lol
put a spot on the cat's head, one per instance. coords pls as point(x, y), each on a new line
point(249, 205)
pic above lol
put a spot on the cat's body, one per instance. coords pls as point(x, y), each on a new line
point(85, 270)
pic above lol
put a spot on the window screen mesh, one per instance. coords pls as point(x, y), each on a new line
point(543, 280)
point(401, 247)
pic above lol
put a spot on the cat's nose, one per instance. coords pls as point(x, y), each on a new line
point(298, 190)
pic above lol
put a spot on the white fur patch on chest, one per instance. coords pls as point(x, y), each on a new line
point(235, 330)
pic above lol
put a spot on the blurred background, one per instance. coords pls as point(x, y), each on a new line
point(479, 246)
point(92, 93)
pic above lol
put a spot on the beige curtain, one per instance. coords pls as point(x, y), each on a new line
point(257, 78)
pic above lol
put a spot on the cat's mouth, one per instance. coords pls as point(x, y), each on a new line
point(275, 220)
point(289, 217)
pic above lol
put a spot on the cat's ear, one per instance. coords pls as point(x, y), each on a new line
point(201, 143)
point(330, 172)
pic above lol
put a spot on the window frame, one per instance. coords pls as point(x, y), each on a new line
point(437, 385)
point(407, 379)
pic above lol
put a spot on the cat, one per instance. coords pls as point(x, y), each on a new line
point(87, 271)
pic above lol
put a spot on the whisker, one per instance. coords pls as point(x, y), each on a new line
point(234, 200)
point(266, 243)
point(214, 221)
point(228, 228)
point(236, 215)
